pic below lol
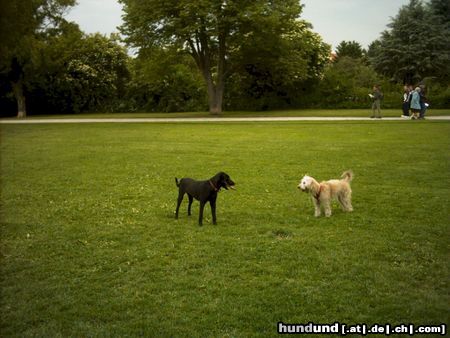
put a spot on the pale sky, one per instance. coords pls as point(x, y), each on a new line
point(97, 15)
point(358, 20)
point(335, 20)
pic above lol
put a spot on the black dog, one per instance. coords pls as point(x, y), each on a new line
point(203, 191)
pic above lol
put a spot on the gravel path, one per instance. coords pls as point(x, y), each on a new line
point(205, 119)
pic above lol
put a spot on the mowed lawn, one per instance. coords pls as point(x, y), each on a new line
point(270, 113)
point(90, 246)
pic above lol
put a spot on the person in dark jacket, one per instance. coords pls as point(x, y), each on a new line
point(376, 97)
point(406, 101)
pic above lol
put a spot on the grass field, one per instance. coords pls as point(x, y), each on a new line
point(272, 113)
point(90, 246)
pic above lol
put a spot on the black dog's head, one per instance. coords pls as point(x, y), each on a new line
point(223, 180)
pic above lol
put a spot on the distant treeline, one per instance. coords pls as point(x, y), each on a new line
point(213, 58)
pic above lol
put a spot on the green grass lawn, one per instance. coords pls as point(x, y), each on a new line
point(272, 113)
point(90, 246)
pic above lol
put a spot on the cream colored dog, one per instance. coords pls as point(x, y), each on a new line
point(322, 193)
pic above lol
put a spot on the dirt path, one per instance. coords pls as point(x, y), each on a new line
point(207, 119)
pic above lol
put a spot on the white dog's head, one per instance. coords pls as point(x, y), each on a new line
point(305, 183)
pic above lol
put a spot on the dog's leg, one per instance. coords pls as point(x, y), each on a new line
point(327, 208)
point(213, 210)
point(317, 210)
point(345, 199)
point(190, 203)
point(348, 201)
point(347, 204)
point(180, 199)
point(200, 216)
point(341, 199)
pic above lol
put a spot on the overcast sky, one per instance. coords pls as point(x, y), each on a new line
point(334, 20)
point(358, 20)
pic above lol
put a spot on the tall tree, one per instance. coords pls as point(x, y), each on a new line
point(270, 76)
point(350, 49)
point(416, 45)
point(80, 72)
point(22, 24)
point(209, 30)
point(440, 11)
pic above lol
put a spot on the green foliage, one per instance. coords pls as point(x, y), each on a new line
point(97, 74)
point(346, 84)
point(74, 72)
point(90, 246)
point(416, 45)
point(438, 94)
point(163, 23)
point(165, 80)
point(280, 77)
point(23, 24)
point(80, 73)
point(351, 49)
point(16, 25)
point(216, 34)
point(244, 55)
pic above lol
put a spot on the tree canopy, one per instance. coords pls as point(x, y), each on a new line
point(417, 43)
point(79, 72)
point(213, 32)
point(23, 23)
point(351, 49)
point(211, 54)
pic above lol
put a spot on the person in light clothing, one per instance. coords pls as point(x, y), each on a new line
point(415, 104)
point(423, 101)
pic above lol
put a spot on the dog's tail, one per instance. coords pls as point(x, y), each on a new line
point(176, 182)
point(347, 176)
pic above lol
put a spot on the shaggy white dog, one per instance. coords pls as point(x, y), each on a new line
point(322, 193)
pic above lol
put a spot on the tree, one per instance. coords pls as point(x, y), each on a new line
point(209, 30)
point(346, 83)
point(79, 72)
point(269, 76)
point(440, 12)
point(22, 25)
point(416, 45)
point(96, 73)
point(163, 79)
point(71, 72)
point(350, 49)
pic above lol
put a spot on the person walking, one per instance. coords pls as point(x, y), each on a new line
point(376, 96)
point(415, 104)
point(407, 92)
point(423, 102)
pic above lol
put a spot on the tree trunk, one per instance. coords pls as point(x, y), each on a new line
point(203, 58)
point(20, 98)
point(220, 84)
point(217, 108)
point(215, 95)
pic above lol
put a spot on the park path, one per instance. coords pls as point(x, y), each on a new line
point(204, 119)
